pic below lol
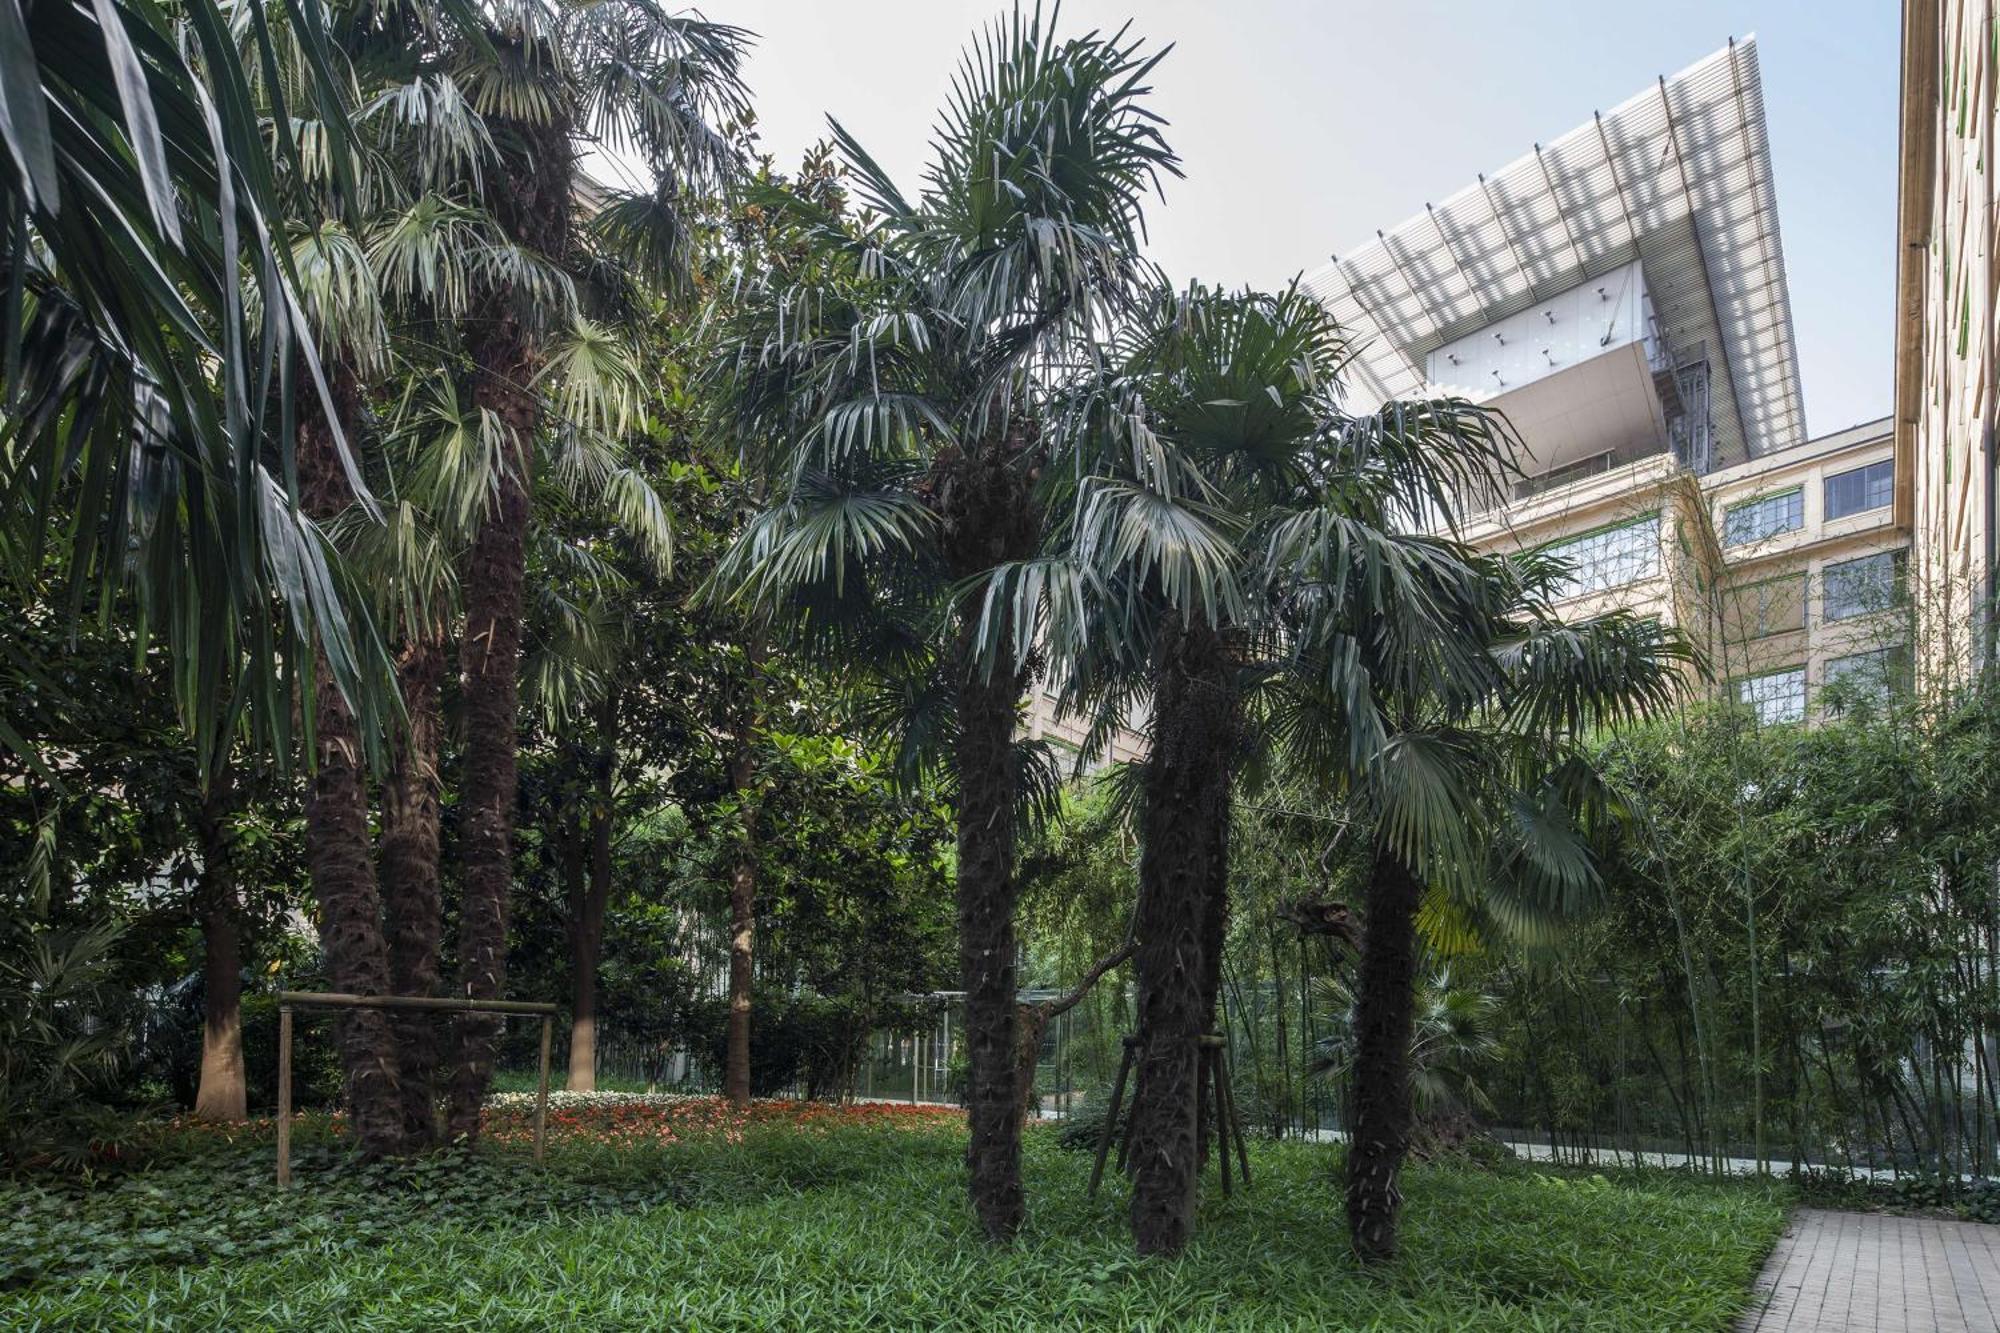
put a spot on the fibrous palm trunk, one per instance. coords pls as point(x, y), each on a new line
point(742, 931)
point(1384, 1018)
point(989, 520)
point(222, 1093)
point(1186, 793)
point(338, 849)
point(534, 209)
point(1214, 937)
point(408, 864)
point(987, 895)
point(489, 662)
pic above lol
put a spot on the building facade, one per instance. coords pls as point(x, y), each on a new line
point(1946, 284)
point(1619, 294)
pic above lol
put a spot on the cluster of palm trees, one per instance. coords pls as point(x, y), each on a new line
point(305, 312)
point(302, 332)
point(1000, 446)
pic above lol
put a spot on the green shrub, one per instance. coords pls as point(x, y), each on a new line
point(1979, 1201)
point(63, 1047)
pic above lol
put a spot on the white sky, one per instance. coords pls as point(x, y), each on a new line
point(1303, 127)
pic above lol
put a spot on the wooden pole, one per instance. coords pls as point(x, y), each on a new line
point(337, 1000)
point(1235, 1117)
point(284, 1096)
point(542, 1090)
point(1111, 1117)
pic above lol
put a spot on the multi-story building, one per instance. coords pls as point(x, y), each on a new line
point(1619, 294)
point(1947, 284)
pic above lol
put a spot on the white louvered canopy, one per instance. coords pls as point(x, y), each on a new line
point(1678, 177)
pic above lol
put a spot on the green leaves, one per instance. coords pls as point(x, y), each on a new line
point(142, 126)
point(844, 1229)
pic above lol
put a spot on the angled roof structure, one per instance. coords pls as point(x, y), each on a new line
point(1678, 178)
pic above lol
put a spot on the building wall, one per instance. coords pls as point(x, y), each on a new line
point(1725, 596)
point(1945, 347)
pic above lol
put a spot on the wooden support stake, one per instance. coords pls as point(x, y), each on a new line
point(1235, 1118)
point(1111, 1118)
point(542, 1090)
point(284, 1096)
point(1221, 1117)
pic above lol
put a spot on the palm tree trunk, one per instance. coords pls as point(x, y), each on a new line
point(410, 881)
point(337, 842)
point(743, 886)
point(989, 518)
point(1186, 793)
point(1214, 937)
point(489, 661)
point(222, 1093)
point(589, 901)
point(988, 791)
point(1384, 1019)
point(534, 208)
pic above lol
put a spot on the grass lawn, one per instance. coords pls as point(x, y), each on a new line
point(685, 1216)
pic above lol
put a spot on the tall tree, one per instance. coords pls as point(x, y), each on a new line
point(1463, 756)
point(1199, 465)
point(222, 1092)
point(891, 385)
point(549, 73)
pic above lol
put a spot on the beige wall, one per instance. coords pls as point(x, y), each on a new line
point(1947, 327)
point(1705, 586)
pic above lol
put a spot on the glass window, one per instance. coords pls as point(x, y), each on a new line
point(1765, 516)
point(1771, 606)
point(1778, 696)
point(1863, 488)
point(1870, 677)
point(1871, 583)
point(1610, 558)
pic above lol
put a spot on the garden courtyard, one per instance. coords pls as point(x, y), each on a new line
point(679, 1213)
point(628, 700)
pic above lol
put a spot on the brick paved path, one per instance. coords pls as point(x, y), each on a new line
point(1835, 1271)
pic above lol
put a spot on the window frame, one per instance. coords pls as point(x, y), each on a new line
point(1891, 680)
point(1729, 511)
point(1574, 586)
point(1798, 576)
point(1899, 593)
point(1756, 706)
point(1859, 470)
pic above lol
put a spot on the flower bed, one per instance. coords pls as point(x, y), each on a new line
point(632, 1118)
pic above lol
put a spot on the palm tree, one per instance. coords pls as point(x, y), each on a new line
point(150, 299)
point(431, 257)
point(1201, 467)
point(1452, 1033)
point(891, 382)
point(548, 74)
point(1462, 755)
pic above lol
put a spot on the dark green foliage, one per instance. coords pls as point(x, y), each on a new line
point(804, 1042)
point(1862, 851)
point(61, 1050)
point(1979, 1201)
point(855, 1228)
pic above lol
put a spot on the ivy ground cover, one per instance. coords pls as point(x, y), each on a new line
point(667, 1213)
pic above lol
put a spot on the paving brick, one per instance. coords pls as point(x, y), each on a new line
point(1867, 1271)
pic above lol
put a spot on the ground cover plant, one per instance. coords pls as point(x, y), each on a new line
point(794, 1215)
